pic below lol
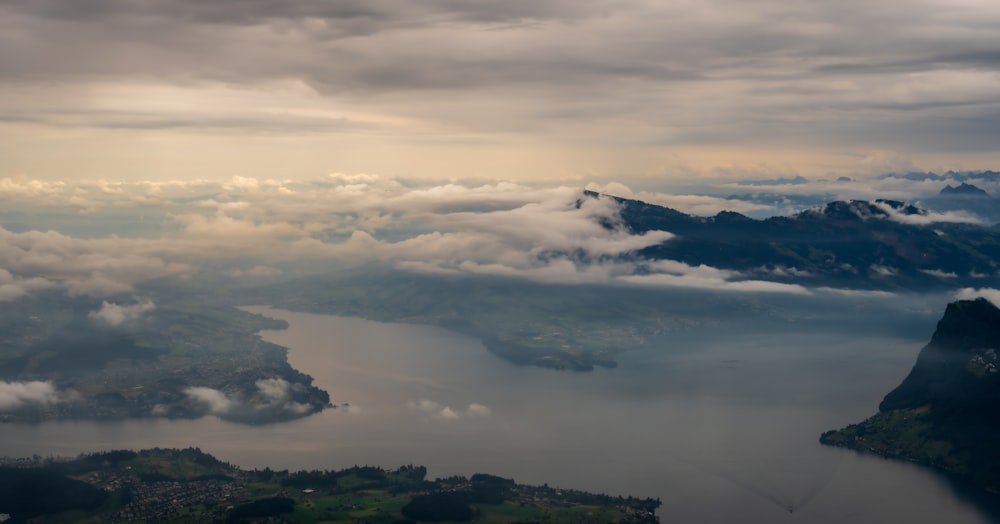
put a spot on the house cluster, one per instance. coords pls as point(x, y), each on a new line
point(159, 500)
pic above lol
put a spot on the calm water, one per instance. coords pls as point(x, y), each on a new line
point(722, 426)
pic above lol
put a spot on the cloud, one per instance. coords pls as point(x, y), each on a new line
point(252, 228)
point(478, 410)
point(671, 273)
point(273, 389)
point(17, 394)
point(993, 295)
point(699, 205)
point(12, 287)
point(442, 412)
point(566, 238)
point(215, 401)
point(863, 293)
point(270, 394)
point(928, 217)
point(846, 79)
point(256, 272)
point(939, 273)
point(276, 393)
point(38, 260)
point(116, 315)
point(694, 281)
point(882, 271)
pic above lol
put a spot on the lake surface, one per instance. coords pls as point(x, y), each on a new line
point(721, 424)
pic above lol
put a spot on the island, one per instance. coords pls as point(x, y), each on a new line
point(190, 486)
point(946, 412)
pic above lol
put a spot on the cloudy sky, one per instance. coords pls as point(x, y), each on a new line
point(563, 91)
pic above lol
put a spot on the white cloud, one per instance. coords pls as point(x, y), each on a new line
point(699, 205)
point(35, 259)
point(12, 287)
point(271, 394)
point(867, 293)
point(446, 413)
point(214, 400)
point(276, 393)
point(116, 315)
point(671, 273)
point(273, 389)
point(883, 271)
point(478, 410)
point(928, 217)
point(443, 412)
point(16, 394)
point(938, 273)
point(993, 295)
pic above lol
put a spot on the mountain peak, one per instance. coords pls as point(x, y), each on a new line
point(968, 324)
point(963, 189)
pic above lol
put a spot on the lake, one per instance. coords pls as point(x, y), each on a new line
point(721, 424)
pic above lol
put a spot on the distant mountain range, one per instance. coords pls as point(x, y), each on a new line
point(966, 198)
point(881, 244)
point(946, 413)
point(961, 176)
point(965, 190)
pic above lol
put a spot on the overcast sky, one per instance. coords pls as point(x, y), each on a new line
point(567, 91)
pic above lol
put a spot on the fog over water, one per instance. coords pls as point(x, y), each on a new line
point(721, 424)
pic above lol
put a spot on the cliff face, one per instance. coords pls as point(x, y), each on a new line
point(959, 367)
point(946, 413)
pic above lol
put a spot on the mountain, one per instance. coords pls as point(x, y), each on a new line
point(966, 198)
point(963, 189)
point(882, 244)
point(946, 412)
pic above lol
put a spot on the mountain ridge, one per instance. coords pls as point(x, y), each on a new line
point(880, 244)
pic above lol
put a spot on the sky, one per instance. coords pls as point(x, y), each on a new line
point(557, 92)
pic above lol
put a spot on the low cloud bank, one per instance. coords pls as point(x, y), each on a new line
point(271, 394)
point(262, 229)
point(14, 395)
point(928, 217)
